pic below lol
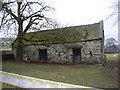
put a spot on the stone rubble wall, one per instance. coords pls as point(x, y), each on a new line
point(64, 53)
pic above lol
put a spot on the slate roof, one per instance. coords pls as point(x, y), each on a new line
point(64, 35)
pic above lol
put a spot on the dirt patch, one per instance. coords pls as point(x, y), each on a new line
point(63, 64)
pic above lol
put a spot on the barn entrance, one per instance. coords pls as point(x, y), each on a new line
point(76, 55)
point(43, 54)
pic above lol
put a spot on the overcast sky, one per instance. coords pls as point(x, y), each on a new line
point(82, 12)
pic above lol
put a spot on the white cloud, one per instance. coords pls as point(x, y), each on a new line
point(79, 12)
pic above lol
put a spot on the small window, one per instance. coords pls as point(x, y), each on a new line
point(91, 53)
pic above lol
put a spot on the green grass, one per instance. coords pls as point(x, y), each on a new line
point(111, 58)
point(8, 86)
point(4, 85)
point(87, 75)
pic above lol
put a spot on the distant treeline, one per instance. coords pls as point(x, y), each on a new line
point(112, 49)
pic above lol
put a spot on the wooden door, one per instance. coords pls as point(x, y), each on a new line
point(43, 55)
point(76, 55)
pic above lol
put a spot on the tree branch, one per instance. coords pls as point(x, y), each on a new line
point(37, 17)
point(10, 12)
point(24, 7)
point(19, 13)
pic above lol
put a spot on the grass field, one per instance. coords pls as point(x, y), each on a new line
point(4, 85)
point(112, 57)
point(87, 75)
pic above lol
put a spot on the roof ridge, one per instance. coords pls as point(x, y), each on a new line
point(65, 27)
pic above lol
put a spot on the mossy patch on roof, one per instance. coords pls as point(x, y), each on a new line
point(64, 35)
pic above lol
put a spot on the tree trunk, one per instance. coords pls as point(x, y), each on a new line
point(20, 45)
point(20, 49)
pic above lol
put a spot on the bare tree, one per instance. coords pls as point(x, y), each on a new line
point(116, 11)
point(111, 45)
point(23, 16)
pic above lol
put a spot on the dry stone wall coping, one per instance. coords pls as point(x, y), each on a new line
point(31, 82)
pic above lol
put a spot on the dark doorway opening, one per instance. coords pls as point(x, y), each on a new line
point(43, 54)
point(76, 55)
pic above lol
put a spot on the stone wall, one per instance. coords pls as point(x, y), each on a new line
point(64, 52)
point(31, 82)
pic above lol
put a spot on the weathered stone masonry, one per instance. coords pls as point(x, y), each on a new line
point(85, 45)
point(64, 52)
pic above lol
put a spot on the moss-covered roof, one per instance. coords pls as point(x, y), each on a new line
point(64, 35)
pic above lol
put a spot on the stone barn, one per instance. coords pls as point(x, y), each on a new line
point(74, 44)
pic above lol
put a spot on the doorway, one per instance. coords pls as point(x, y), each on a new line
point(76, 55)
point(43, 54)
